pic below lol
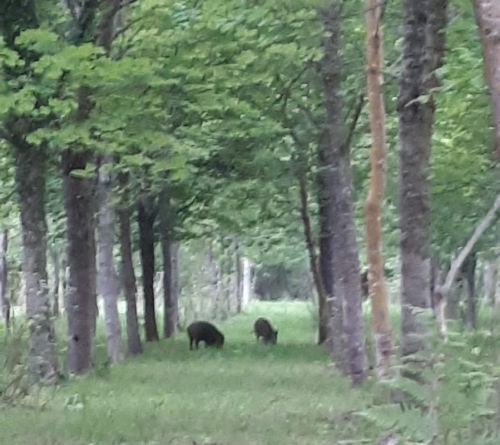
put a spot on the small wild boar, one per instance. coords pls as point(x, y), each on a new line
point(206, 332)
point(263, 329)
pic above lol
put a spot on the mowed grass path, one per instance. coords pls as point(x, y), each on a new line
point(247, 393)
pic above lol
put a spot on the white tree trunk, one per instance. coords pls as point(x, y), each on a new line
point(489, 282)
point(106, 277)
point(247, 283)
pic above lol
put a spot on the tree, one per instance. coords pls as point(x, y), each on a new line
point(318, 269)
point(442, 291)
point(170, 306)
point(487, 14)
point(30, 183)
point(146, 215)
point(373, 206)
point(107, 280)
point(424, 23)
point(326, 233)
point(79, 205)
point(134, 346)
point(4, 273)
point(347, 285)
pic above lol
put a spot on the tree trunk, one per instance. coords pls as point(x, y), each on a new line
point(57, 279)
point(64, 281)
point(212, 277)
point(134, 346)
point(246, 294)
point(30, 182)
point(487, 14)
point(489, 282)
point(239, 277)
point(313, 258)
point(225, 268)
point(4, 273)
point(81, 300)
point(469, 274)
point(424, 22)
point(435, 278)
point(381, 322)
point(452, 306)
point(170, 306)
point(328, 313)
point(497, 288)
point(106, 277)
point(347, 285)
point(146, 217)
point(174, 254)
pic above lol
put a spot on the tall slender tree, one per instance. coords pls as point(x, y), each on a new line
point(134, 345)
point(4, 273)
point(424, 24)
point(373, 206)
point(347, 285)
point(79, 205)
point(17, 17)
point(326, 233)
point(106, 277)
point(170, 308)
point(107, 280)
point(146, 216)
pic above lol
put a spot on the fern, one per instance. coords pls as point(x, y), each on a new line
point(455, 400)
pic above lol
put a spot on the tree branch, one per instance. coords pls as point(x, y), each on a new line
point(441, 292)
point(458, 261)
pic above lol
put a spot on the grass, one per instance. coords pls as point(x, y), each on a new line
point(245, 394)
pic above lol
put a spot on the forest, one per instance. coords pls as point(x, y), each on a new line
point(310, 187)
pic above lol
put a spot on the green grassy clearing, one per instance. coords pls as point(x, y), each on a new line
point(245, 394)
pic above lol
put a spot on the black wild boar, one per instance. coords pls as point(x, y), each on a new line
point(263, 328)
point(204, 331)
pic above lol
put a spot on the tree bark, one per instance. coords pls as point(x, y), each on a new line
point(347, 285)
point(107, 278)
point(79, 204)
point(64, 279)
point(424, 22)
point(381, 322)
point(239, 276)
point(212, 277)
point(174, 254)
point(332, 333)
point(134, 345)
point(4, 273)
point(246, 294)
point(30, 181)
point(323, 298)
point(146, 217)
point(487, 14)
point(81, 299)
point(57, 279)
point(170, 306)
point(469, 274)
point(497, 288)
point(489, 282)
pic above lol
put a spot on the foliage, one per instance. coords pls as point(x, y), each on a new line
point(457, 404)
